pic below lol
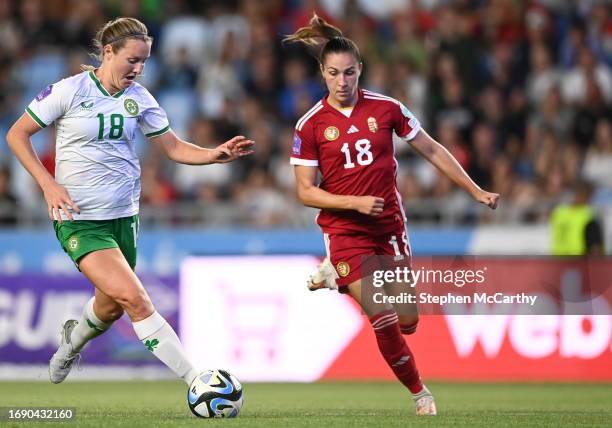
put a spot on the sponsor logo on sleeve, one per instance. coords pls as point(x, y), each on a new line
point(44, 93)
point(297, 144)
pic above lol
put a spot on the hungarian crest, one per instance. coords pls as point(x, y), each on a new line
point(343, 269)
point(331, 133)
point(372, 125)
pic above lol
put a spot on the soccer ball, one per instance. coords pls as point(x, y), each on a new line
point(215, 394)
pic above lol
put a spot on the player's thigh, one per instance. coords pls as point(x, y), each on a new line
point(110, 272)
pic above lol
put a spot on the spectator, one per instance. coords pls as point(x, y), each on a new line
point(575, 230)
point(521, 92)
point(598, 163)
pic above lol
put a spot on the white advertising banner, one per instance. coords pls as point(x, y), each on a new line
point(254, 316)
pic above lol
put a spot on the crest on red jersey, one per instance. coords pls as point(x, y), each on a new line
point(343, 269)
point(372, 125)
point(331, 133)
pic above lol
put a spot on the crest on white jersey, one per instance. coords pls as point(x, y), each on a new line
point(131, 106)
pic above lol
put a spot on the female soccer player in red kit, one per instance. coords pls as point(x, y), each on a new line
point(348, 137)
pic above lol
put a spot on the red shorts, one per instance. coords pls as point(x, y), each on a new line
point(355, 256)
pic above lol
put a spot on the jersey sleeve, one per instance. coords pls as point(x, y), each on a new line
point(406, 124)
point(304, 151)
point(153, 121)
point(50, 104)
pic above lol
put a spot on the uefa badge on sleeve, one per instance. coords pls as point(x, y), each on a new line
point(44, 93)
point(297, 144)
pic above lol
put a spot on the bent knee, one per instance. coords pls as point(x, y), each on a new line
point(408, 323)
point(136, 303)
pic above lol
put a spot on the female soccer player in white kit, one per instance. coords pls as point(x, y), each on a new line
point(97, 186)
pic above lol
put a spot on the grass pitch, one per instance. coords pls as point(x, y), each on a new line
point(353, 404)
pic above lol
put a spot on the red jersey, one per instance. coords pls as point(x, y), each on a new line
point(356, 157)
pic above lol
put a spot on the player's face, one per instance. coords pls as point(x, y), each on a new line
point(341, 72)
point(128, 62)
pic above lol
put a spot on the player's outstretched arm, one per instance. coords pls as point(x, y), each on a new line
point(56, 196)
point(441, 158)
point(312, 196)
point(183, 152)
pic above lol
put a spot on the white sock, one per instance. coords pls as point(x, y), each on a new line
point(422, 393)
point(89, 326)
point(157, 335)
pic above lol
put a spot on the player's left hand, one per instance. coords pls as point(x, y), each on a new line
point(487, 198)
point(233, 149)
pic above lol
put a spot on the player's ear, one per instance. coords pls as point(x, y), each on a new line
point(107, 50)
point(360, 67)
point(322, 69)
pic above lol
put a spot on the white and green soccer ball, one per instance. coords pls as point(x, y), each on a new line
point(215, 394)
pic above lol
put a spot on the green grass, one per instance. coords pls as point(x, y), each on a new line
point(357, 404)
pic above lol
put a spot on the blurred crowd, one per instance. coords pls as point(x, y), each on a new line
point(520, 92)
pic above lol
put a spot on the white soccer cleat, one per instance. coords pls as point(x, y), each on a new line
point(62, 361)
point(425, 403)
point(324, 277)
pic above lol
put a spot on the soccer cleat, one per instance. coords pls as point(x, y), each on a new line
point(425, 404)
point(324, 277)
point(62, 361)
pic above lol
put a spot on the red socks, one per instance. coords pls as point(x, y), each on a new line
point(408, 328)
point(395, 351)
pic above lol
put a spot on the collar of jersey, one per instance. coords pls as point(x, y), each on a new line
point(101, 88)
point(329, 106)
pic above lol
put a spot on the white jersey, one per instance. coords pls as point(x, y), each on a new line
point(95, 155)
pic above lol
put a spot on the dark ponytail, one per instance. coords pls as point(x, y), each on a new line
point(326, 37)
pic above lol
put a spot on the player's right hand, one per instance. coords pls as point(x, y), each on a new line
point(233, 149)
point(57, 198)
point(369, 205)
